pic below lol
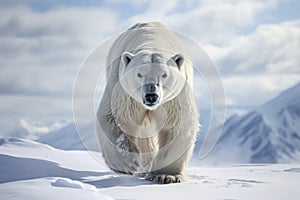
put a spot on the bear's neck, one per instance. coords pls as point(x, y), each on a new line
point(141, 122)
point(140, 116)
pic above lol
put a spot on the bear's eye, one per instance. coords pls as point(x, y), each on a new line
point(164, 75)
point(139, 75)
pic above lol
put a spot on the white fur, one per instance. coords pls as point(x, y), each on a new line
point(136, 138)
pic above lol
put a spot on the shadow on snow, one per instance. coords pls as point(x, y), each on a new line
point(19, 168)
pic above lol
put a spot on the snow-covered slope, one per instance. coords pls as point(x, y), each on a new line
point(30, 170)
point(270, 134)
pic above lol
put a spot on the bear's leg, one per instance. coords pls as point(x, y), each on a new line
point(173, 173)
point(119, 153)
point(120, 157)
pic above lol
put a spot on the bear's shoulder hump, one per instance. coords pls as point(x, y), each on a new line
point(142, 25)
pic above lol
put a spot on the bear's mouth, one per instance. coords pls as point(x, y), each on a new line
point(150, 104)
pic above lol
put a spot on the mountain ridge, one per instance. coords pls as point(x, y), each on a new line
point(268, 134)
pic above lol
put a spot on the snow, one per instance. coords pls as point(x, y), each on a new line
point(49, 189)
point(65, 182)
point(31, 170)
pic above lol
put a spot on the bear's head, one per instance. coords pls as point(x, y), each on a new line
point(152, 78)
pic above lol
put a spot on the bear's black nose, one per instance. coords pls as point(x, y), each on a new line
point(151, 98)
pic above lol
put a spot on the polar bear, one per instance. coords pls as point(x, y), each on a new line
point(147, 118)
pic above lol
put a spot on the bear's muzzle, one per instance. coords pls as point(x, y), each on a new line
point(150, 95)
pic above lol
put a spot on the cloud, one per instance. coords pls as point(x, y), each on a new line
point(40, 54)
point(46, 109)
point(34, 128)
point(253, 90)
point(214, 22)
point(40, 127)
point(271, 48)
point(258, 66)
point(13, 3)
point(41, 51)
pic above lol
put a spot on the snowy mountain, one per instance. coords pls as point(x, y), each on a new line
point(67, 138)
point(270, 134)
point(19, 132)
point(61, 134)
point(30, 170)
point(33, 130)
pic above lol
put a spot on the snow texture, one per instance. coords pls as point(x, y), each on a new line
point(30, 170)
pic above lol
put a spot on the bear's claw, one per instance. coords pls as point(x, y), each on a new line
point(165, 178)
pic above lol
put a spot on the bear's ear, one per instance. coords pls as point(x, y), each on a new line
point(178, 59)
point(126, 57)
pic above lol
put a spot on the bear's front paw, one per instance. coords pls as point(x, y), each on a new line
point(165, 178)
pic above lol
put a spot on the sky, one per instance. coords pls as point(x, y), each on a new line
point(255, 46)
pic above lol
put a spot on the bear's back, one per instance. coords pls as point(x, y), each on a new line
point(140, 25)
point(146, 35)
